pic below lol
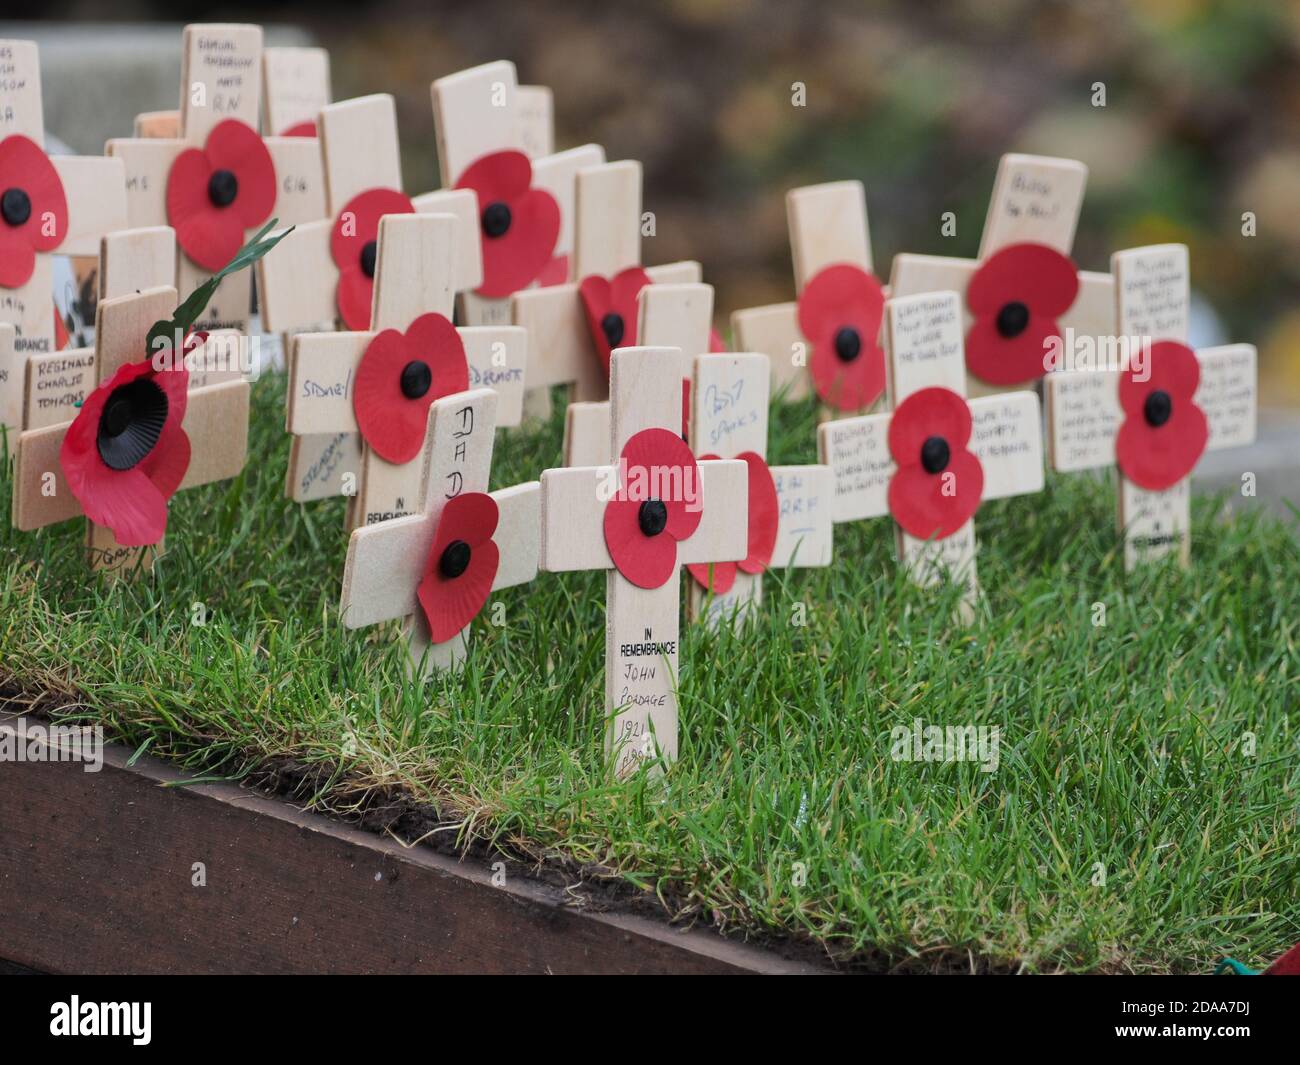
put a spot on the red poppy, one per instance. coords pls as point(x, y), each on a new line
point(716, 343)
point(217, 192)
point(764, 513)
point(556, 272)
point(33, 208)
point(840, 311)
point(520, 224)
point(611, 306)
point(60, 331)
point(939, 482)
point(354, 244)
point(126, 453)
point(305, 128)
point(1287, 965)
point(1164, 431)
point(658, 503)
point(462, 565)
point(400, 375)
point(1016, 296)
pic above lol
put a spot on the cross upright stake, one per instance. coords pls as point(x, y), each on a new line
point(1150, 405)
point(937, 456)
point(640, 520)
point(59, 204)
point(380, 382)
point(295, 86)
point(130, 448)
point(827, 342)
point(436, 567)
point(1023, 295)
point(217, 181)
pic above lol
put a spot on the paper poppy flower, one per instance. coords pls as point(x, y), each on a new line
point(556, 272)
point(462, 565)
point(939, 482)
point(1164, 432)
point(33, 208)
point(611, 307)
point(520, 224)
point(1016, 297)
point(764, 513)
point(398, 378)
point(126, 453)
point(217, 192)
point(658, 503)
point(305, 128)
point(354, 246)
point(840, 311)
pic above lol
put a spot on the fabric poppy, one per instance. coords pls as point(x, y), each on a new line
point(556, 272)
point(33, 208)
point(939, 482)
point(462, 565)
point(354, 247)
point(126, 452)
point(611, 307)
point(1164, 432)
point(399, 377)
point(305, 128)
point(658, 503)
point(217, 192)
point(840, 311)
point(1016, 297)
point(764, 516)
point(519, 224)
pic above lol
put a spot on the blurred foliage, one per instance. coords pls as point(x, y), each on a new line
point(1201, 121)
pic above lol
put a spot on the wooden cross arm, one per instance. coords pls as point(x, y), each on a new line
point(462, 205)
point(147, 162)
point(1229, 394)
point(322, 371)
point(297, 280)
point(498, 359)
point(774, 331)
point(1007, 438)
point(95, 188)
point(572, 517)
point(857, 452)
point(300, 179)
point(386, 561)
point(804, 536)
point(40, 500)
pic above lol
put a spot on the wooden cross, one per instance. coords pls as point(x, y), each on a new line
point(90, 201)
point(562, 350)
point(931, 461)
point(729, 405)
point(670, 316)
point(295, 87)
point(482, 111)
point(414, 280)
point(388, 562)
point(130, 261)
point(215, 421)
point(1028, 229)
point(828, 228)
point(616, 518)
point(221, 76)
point(1087, 417)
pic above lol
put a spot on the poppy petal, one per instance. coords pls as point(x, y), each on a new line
point(357, 224)
point(1020, 359)
point(926, 413)
point(236, 147)
point(844, 297)
point(451, 603)
point(17, 258)
point(646, 561)
point(1156, 456)
point(603, 296)
point(515, 257)
point(25, 166)
point(209, 235)
point(658, 462)
point(306, 128)
point(933, 503)
point(764, 512)
point(556, 272)
point(723, 576)
point(354, 299)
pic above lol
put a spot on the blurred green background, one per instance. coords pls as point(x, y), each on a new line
point(1201, 121)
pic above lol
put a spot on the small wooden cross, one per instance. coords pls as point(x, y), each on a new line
point(391, 571)
point(830, 243)
point(415, 280)
point(1151, 406)
point(295, 87)
point(729, 405)
point(130, 261)
point(937, 456)
point(215, 423)
point(221, 77)
point(51, 205)
point(481, 112)
point(1022, 291)
point(640, 521)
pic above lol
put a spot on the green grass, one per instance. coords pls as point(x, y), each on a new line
point(1123, 746)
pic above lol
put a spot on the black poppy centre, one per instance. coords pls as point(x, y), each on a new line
point(454, 560)
point(15, 206)
point(496, 219)
point(223, 187)
point(131, 423)
point(1013, 319)
point(1158, 408)
point(613, 328)
point(848, 344)
point(369, 250)
point(935, 454)
point(653, 517)
point(417, 378)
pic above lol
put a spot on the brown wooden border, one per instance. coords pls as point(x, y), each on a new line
point(96, 870)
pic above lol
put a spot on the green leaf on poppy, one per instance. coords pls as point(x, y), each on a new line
point(163, 331)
